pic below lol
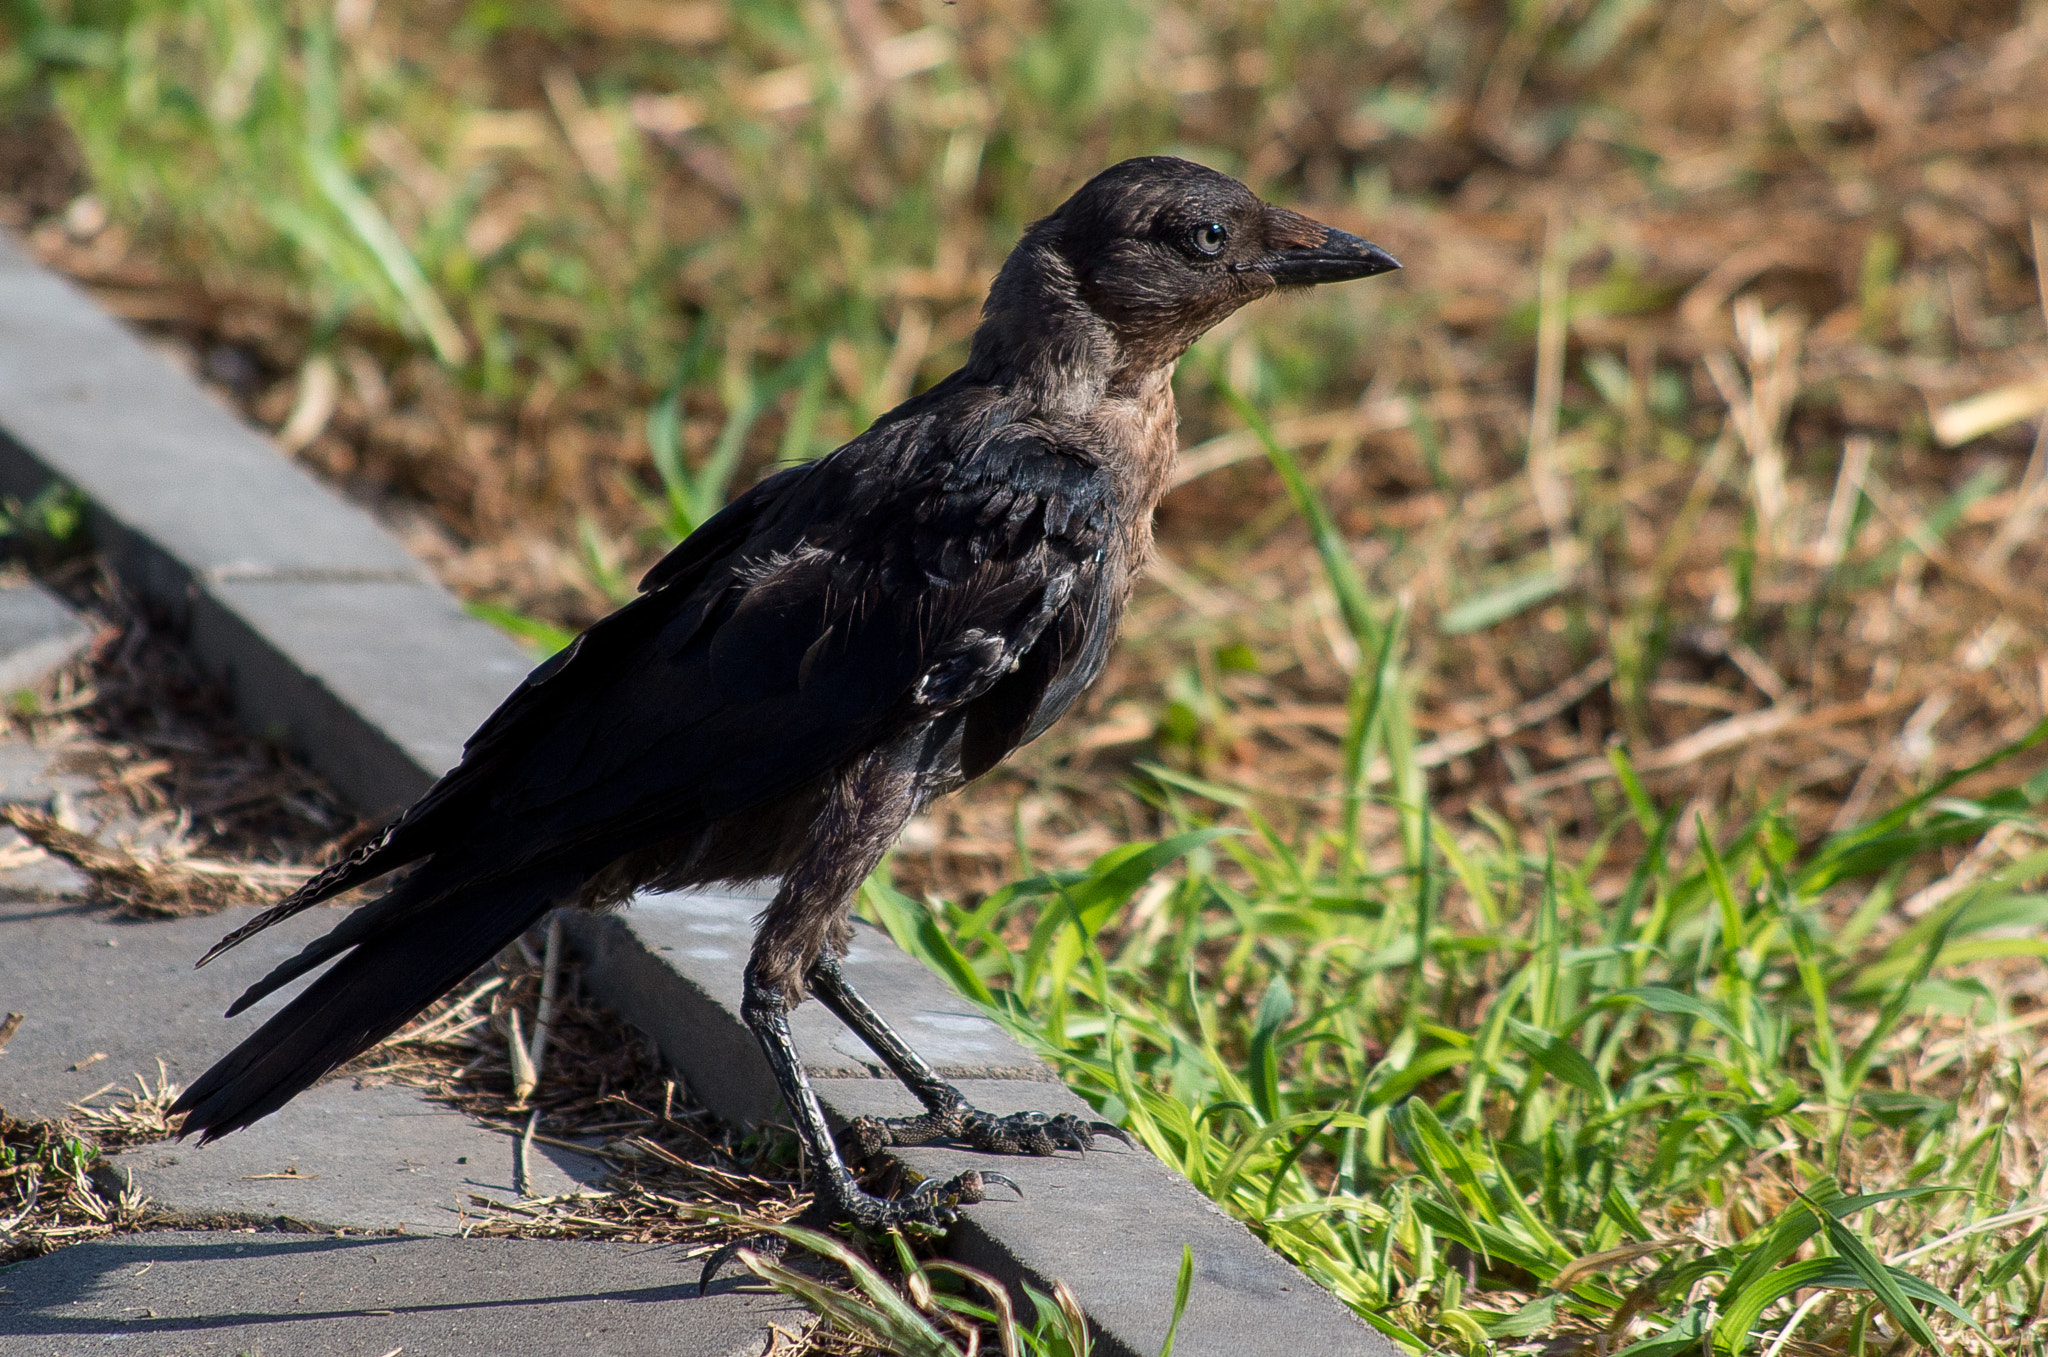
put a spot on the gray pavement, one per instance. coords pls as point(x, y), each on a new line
point(343, 1158)
point(38, 636)
point(217, 1294)
point(109, 1004)
point(106, 1000)
point(42, 635)
point(322, 626)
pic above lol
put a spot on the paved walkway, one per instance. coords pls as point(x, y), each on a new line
point(195, 1294)
point(263, 1265)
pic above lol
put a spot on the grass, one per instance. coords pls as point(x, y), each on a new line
point(48, 1194)
point(1512, 860)
point(937, 1308)
point(1488, 1094)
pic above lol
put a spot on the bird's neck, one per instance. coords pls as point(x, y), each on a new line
point(1043, 347)
point(1039, 340)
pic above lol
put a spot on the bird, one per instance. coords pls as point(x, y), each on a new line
point(843, 642)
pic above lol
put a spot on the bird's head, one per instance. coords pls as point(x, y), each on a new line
point(1158, 250)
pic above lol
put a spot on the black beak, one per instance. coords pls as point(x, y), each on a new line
point(1340, 258)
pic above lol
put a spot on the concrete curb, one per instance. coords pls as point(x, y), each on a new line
point(329, 634)
point(1110, 1224)
point(325, 629)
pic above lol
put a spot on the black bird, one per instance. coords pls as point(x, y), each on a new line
point(845, 641)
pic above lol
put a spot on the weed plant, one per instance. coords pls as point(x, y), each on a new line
point(939, 1308)
point(51, 1194)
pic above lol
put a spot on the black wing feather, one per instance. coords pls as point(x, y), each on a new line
point(823, 611)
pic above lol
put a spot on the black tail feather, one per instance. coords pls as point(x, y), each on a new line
point(369, 994)
point(373, 859)
point(389, 913)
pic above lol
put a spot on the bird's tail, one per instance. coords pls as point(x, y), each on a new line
point(389, 975)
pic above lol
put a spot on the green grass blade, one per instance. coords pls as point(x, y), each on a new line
point(1338, 566)
point(1879, 1279)
point(1181, 1286)
point(2011, 1261)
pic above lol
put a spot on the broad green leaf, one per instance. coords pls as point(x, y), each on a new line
point(1684, 1337)
point(1536, 1317)
point(1677, 1003)
point(1560, 1059)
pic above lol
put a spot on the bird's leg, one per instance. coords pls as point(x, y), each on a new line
point(933, 1202)
point(860, 818)
point(947, 1114)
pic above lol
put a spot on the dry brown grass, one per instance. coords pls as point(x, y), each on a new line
point(183, 810)
point(1777, 231)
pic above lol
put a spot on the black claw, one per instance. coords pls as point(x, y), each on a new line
point(962, 1189)
point(1003, 1180)
point(1103, 1128)
point(718, 1260)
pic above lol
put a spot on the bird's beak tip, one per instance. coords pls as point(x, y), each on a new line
point(1339, 258)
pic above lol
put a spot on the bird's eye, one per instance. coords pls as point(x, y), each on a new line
point(1208, 238)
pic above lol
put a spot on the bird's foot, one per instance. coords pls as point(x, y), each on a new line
point(1018, 1133)
point(932, 1205)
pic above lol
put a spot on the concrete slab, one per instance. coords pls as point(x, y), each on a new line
point(31, 775)
point(39, 634)
point(103, 412)
point(330, 660)
point(289, 592)
point(103, 1000)
point(342, 1158)
point(171, 1294)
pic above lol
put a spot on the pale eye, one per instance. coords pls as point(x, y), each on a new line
point(1209, 237)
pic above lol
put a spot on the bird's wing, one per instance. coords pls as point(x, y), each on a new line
point(826, 610)
point(898, 592)
point(608, 642)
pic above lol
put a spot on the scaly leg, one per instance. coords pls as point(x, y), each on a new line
point(931, 1204)
point(947, 1114)
point(859, 818)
